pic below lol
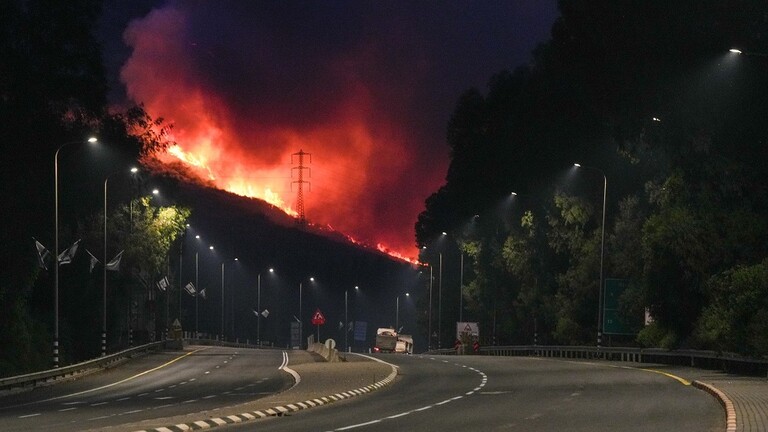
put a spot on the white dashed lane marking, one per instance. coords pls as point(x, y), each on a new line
point(483, 382)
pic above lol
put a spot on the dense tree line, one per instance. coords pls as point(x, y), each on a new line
point(648, 95)
point(53, 95)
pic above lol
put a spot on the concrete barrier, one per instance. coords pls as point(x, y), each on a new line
point(329, 354)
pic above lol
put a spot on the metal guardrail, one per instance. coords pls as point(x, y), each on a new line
point(52, 375)
point(726, 362)
point(47, 376)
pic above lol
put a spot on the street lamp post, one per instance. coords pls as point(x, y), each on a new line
point(56, 249)
point(197, 292)
point(258, 310)
point(222, 297)
point(346, 320)
point(222, 302)
point(104, 269)
point(258, 307)
point(602, 256)
point(429, 318)
point(397, 312)
point(104, 276)
point(461, 289)
point(181, 267)
point(301, 320)
point(440, 304)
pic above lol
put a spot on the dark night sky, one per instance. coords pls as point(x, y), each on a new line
point(367, 87)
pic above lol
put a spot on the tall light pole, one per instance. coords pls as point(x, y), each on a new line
point(104, 269)
point(222, 297)
point(397, 312)
point(56, 248)
point(346, 321)
point(197, 292)
point(258, 307)
point(301, 320)
point(197, 287)
point(461, 289)
point(181, 266)
point(221, 334)
point(440, 304)
point(429, 309)
point(602, 255)
point(429, 318)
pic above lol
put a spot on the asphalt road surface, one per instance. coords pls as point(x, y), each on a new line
point(507, 394)
point(154, 386)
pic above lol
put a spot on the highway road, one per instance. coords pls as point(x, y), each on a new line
point(431, 393)
point(154, 386)
point(505, 393)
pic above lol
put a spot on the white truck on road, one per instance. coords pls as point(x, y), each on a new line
point(388, 341)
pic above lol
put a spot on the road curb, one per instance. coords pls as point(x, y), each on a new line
point(730, 411)
point(276, 411)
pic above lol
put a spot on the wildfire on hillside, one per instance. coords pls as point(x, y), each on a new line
point(238, 120)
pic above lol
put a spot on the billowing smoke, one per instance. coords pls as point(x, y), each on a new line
point(366, 88)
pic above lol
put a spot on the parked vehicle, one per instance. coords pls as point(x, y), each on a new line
point(388, 340)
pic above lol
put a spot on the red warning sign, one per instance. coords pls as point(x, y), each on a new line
point(318, 318)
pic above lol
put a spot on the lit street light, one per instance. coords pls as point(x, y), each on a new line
point(222, 297)
point(748, 53)
point(602, 255)
point(301, 320)
point(104, 269)
point(397, 312)
point(440, 302)
point(258, 307)
point(56, 248)
point(346, 319)
point(198, 290)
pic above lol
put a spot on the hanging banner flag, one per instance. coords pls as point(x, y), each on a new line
point(43, 255)
point(190, 289)
point(162, 284)
point(202, 293)
point(67, 256)
point(114, 265)
point(265, 313)
point(94, 260)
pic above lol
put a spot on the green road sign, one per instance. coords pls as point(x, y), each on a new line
point(612, 324)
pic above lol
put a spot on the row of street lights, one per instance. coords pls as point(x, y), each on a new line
point(461, 282)
point(91, 140)
point(56, 248)
point(133, 170)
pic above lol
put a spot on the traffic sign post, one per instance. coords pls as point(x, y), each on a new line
point(318, 319)
point(612, 322)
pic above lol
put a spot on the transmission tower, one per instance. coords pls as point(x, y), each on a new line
point(300, 182)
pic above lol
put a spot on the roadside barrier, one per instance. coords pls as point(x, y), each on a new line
point(72, 371)
point(713, 360)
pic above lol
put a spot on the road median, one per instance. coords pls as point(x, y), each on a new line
point(321, 383)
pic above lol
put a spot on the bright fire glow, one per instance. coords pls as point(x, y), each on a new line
point(239, 117)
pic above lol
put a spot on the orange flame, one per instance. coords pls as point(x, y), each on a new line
point(243, 142)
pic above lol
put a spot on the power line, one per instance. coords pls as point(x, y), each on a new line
point(302, 220)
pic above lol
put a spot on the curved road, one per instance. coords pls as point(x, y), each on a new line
point(430, 394)
point(154, 386)
point(505, 393)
